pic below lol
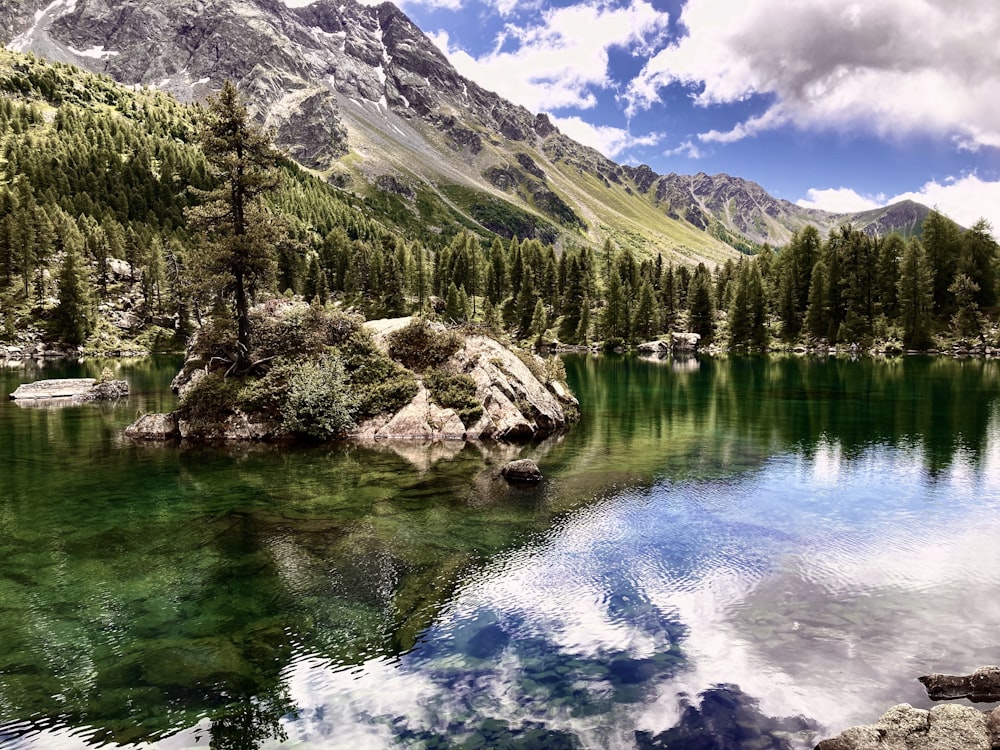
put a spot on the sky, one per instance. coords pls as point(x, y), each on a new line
point(826, 103)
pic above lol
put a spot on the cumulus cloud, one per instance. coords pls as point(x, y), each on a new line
point(839, 200)
point(894, 67)
point(688, 149)
point(964, 199)
point(560, 61)
point(609, 140)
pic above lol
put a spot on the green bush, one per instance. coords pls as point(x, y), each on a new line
point(284, 328)
point(317, 403)
point(267, 395)
point(533, 363)
point(555, 369)
point(457, 392)
point(211, 399)
point(216, 338)
point(378, 384)
point(418, 346)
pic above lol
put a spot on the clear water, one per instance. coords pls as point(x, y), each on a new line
point(752, 553)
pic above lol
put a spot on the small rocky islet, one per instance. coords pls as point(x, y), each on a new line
point(324, 374)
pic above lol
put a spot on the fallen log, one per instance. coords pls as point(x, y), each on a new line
point(982, 686)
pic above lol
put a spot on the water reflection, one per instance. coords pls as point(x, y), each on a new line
point(772, 548)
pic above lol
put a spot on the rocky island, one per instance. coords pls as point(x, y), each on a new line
point(322, 374)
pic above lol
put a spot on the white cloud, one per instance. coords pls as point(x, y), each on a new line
point(894, 67)
point(560, 61)
point(688, 149)
point(966, 200)
point(839, 200)
point(610, 141)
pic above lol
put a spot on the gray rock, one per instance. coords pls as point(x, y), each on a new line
point(684, 341)
point(153, 427)
point(237, 427)
point(54, 388)
point(902, 727)
point(653, 347)
point(522, 470)
point(108, 390)
point(421, 419)
point(71, 390)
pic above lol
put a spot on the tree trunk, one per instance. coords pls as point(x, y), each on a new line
point(242, 325)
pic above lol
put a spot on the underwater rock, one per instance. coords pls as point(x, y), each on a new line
point(522, 470)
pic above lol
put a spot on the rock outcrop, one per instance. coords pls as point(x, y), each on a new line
point(71, 390)
point(902, 727)
point(947, 727)
point(154, 427)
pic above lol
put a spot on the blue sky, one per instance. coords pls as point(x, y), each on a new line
point(840, 105)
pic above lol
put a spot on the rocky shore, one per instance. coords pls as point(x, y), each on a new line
point(945, 727)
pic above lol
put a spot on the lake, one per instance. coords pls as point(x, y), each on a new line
point(756, 551)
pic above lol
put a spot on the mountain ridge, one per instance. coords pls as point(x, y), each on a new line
point(361, 95)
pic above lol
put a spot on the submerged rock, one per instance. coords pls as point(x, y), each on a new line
point(522, 470)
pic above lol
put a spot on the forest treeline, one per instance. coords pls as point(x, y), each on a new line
point(98, 184)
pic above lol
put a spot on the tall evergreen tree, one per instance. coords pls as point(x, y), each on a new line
point(646, 322)
point(539, 322)
point(701, 309)
point(73, 319)
point(614, 316)
point(239, 231)
point(817, 321)
point(915, 293)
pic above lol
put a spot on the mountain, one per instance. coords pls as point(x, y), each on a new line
point(362, 96)
point(731, 208)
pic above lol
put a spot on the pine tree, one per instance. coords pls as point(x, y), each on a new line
point(646, 323)
point(539, 322)
point(700, 307)
point(965, 321)
point(239, 231)
point(817, 322)
point(614, 316)
point(916, 296)
point(453, 308)
point(583, 330)
point(73, 318)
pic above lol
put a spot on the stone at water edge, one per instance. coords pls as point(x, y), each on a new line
point(154, 427)
point(522, 470)
point(79, 389)
point(902, 727)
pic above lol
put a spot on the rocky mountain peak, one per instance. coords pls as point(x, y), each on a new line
point(337, 77)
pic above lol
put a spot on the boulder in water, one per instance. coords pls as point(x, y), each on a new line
point(522, 470)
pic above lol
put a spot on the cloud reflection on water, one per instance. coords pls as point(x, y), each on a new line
point(817, 606)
